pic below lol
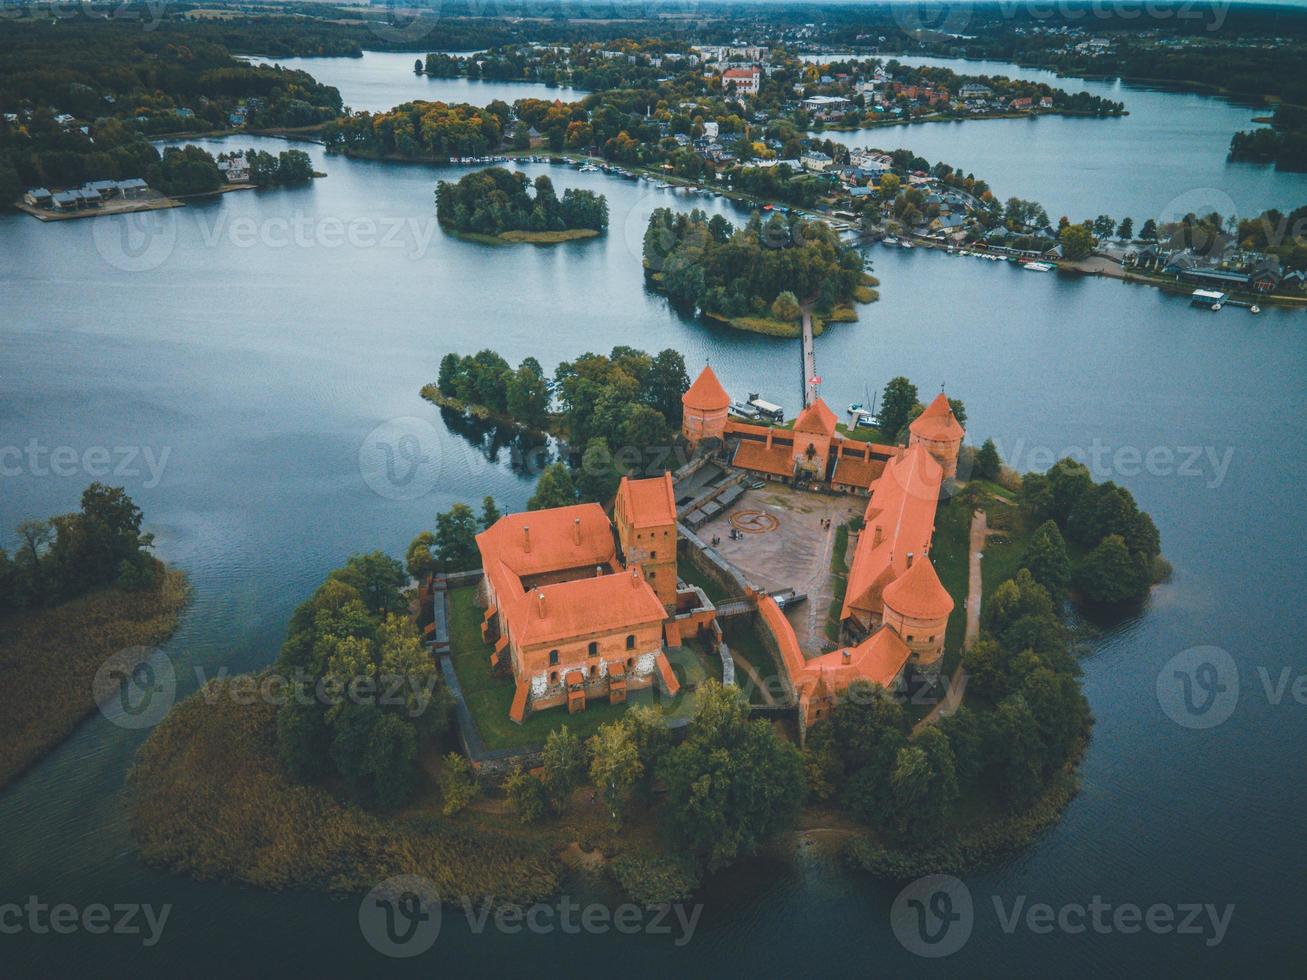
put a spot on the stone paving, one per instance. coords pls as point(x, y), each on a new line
point(795, 555)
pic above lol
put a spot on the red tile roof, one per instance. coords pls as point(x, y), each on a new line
point(706, 394)
point(585, 605)
point(647, 503)
point(779, 459)
point(854, 472)
point(817, 418)
point(902, 505)
point(937, 421)
point(918, 592)
point(879, 659)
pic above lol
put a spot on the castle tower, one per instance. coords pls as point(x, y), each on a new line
point(813, 431)
point(705, 405)
point(939, 432)
point(917, 607)
point(645, 515)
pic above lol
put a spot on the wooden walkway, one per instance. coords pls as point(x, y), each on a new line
point(809, 361)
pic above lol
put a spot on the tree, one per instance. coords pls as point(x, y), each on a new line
point(598, 479)
point(379, 580)
point(1148, 232)
point(456, 547)
point(924, 784)
point(458, 784)
point(986, 666)
point(615, 766)
point(644, 428)
point(1111, 574)
point(1077, 242)
point(376, 753)
point(420, 560)
point(896, 403)
point(988, 463)
point(447, 378)
point(666, 383)
point(1017, 745)
point(489, 512)
point(1104, 225)
point(564, 764)
point(527, 794)
point(526, 397)
point(785, 307)
point(1046, 558)
point(554, 488)
point(732, 782)
point(1126, 230)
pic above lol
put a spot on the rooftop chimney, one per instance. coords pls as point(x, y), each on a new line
point(526, 538)
point(848, 656)
point(635, 576)
point(880, 536)
point(540, 604)
point(909, 559)
point(576, 530)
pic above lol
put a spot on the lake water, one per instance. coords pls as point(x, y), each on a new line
point(381, 80)
point(262, 339)
point(1166, 158)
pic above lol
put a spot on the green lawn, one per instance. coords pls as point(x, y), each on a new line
point(742, 635)
point(691, 574)
point(839, 582)
point(489, 697)
point(863, 434)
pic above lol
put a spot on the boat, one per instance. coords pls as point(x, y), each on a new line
point(1211, 298)
point(664, 186)
point(1254, 308)
point(889, 240)
point(906, 244)
point(1039, 266)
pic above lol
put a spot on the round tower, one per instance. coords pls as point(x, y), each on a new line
point(704, 406)
point(917, 607)
point(938, 431)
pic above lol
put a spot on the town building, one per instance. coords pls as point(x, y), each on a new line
point(744, 80)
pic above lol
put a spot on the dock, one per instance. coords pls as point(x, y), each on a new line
point(809, 362)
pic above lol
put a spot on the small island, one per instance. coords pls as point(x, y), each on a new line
point(497, 205)
point(609, 683)
point(763, 277)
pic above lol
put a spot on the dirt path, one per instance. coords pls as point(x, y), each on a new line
point(956, 685)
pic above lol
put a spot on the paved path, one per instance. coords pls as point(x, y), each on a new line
point(957, 684)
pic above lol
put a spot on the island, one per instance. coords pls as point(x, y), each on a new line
point(496, 205)
point(609, 683)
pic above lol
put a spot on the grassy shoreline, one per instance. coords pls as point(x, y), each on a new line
point(527, 237)
point(49, 658)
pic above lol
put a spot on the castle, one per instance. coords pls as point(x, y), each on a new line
point(895, 609)
point(580, 608)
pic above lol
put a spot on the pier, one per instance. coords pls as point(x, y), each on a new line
point(809, 361)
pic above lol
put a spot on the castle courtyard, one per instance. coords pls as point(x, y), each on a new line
point(784, 546)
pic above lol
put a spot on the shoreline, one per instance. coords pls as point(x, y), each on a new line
point(62, 649)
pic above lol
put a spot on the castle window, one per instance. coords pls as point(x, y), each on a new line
point(553, 677)
point(553, 657)
point(594, 671)
point(593, 649)
point(910, 637)
point(630, 663)
point(932, 639)
point(653, 554)
point(630, 642)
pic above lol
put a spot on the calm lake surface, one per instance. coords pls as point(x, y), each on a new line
point(261, 339)
point(381, 80)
